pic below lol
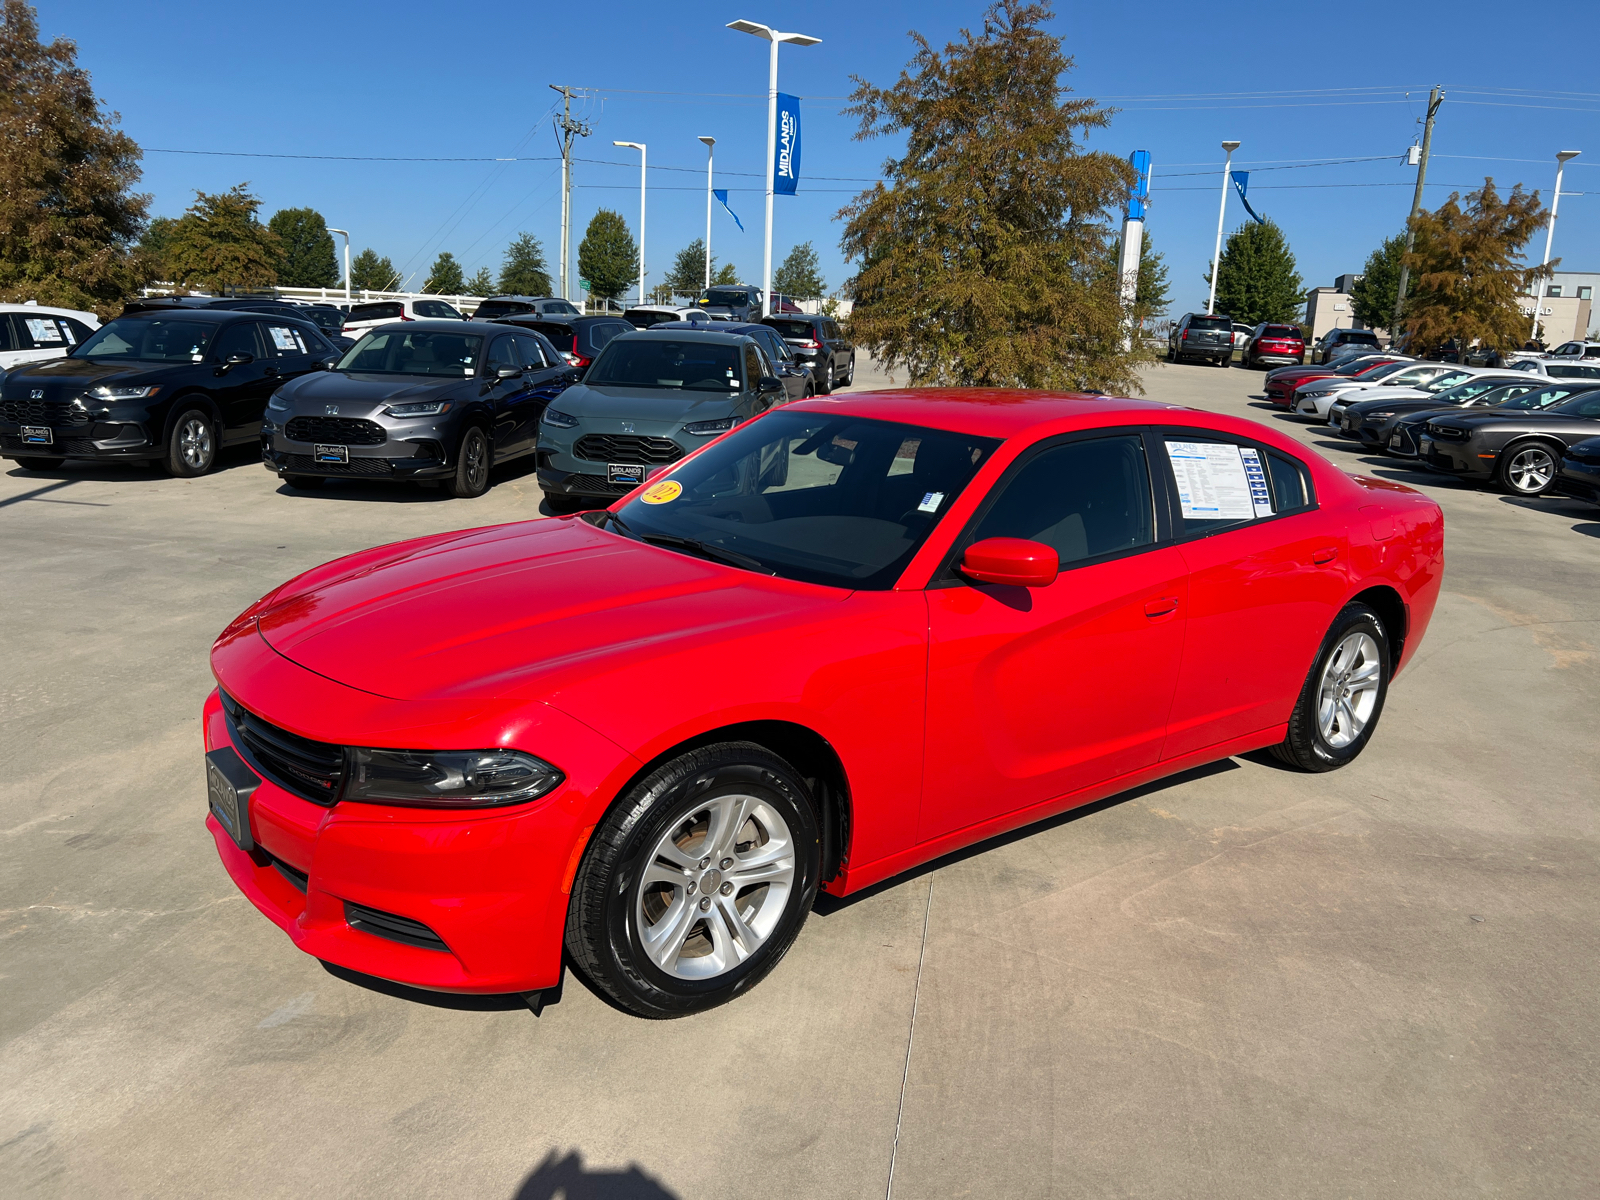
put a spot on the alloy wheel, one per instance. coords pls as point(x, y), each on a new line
point(1348, 691)
point(1531, 470)
point(194, 443)
point(715, 886)
point(477, 461)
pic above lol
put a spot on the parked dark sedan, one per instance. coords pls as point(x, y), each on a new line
point(577, 339)
point(1515, 397)
point(1519, 451)
point(819, 343)
point(173, 385)
point(1371, 422)
point(417, 401)
point(1580, 472)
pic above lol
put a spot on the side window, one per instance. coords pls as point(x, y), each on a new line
point(530, 352)
point(8, 339)
point(1291, 485)
point(754, 368)
point(285, 341)
point(1221, 484)
point(77, 329)
point(1084, 499)
point(41, 333)
point(501, 354)
point(236, 339)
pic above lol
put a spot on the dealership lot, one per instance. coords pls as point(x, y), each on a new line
point(1241, 981)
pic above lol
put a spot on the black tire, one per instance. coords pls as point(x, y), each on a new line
point(604, 936)
point(471, 479)
point(38, 462)
point(850, 375)
point(1528, 468)
point(1307, 744)
point(304, 483)
point(192, 444)
point(825, 381)
point(1225, 361)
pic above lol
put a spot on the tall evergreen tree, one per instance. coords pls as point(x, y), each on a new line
point(1372, 299)
point(219, 244)
point(369, 272)
point(608, 257)
point(525, 272)
point(153, 250)
point(688, 274)
point(1152, 294)
point(983, 253)
point(1467, 273)
point(68, 214)
point(308, 250)
point(481, 283)
point(444, 277)
point(800, 276)
point(727, 275)
point(1257, 280)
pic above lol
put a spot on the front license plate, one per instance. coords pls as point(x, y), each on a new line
point(1394, 442)
point(37, 435)
point(332, 454)
point(624, 473)
point(229, 786)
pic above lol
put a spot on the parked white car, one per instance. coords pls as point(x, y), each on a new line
point(33, 333)
point(1314, 398)
point(380, 312)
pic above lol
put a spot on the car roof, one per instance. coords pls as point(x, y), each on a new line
point(508, 296)
point(46, 308)
point(436, 325)
point(693, 331)
point(218, 315)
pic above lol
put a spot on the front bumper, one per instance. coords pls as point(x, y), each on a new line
point(579, 461)
point(1579, 479)
point(1455, 458)
point(127, 440)
point(420, 450)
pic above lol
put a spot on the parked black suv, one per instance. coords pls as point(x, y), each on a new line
point(738, 302)
point(174, 385)
point(1331, 342)
point(578, 339)
point(818, 343)
point(496, 307)
point(1207, 336)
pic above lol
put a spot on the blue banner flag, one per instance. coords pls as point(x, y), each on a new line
point(722, 198)
point(786, 161)
point(1241, 180)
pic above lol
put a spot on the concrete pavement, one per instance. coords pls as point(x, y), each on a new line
point(1246, 981)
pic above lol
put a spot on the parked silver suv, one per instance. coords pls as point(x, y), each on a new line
point(649, 398)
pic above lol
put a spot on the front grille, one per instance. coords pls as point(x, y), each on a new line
point(628, 448)
point(310, 769)
point(55, 413)
point(356, 466)
point(396, 929)
point(1406, 445)
point(338, 431)
point(594, 485)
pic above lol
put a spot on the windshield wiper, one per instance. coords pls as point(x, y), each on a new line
point(704, 549)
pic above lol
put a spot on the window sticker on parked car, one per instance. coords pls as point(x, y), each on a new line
point(931, 502)
point(1212, 485)
point(1256, 475)
point(44, 331)
point(286, 339)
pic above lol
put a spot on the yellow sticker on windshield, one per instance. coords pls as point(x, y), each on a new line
point(664, 492)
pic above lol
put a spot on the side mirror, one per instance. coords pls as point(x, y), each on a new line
point(508, 373)
point(235, 360)
point(1015, 561)
point(769, 383)
point(329, 362)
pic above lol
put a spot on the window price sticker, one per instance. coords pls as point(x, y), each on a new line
point(1212, 484)
point(1256, 476)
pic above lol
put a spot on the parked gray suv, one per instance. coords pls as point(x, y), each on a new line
point(649, 398)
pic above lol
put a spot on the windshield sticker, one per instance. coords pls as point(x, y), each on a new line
point(1211, 481)
point(42, 329)
point(284, 338)
point(1256, 475)
point(931, 502)
point(664, 492)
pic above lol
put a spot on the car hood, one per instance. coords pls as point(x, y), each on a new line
point(348, 387)
point(1521, 418)
point(517, 611)
point(63, 377)
point(647, 404)
point(1375, 397)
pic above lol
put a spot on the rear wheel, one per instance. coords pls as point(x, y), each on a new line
point(825, 380)
point(1529, 469)
point(850, 375)
point(697, 881)
point(1343, 697)
point(471, 479)
point(192, 445)
point(35, 462)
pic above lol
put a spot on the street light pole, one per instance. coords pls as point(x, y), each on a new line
point(347, 259)
point(1435, 98)
point(774, 36)
point(1562, 159)
point(639, 146)
point(710, 142)
point(1222, 208)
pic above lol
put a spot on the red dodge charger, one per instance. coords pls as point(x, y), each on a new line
point(844, 638)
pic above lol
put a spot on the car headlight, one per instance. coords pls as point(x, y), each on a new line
point(420, 408)
point(105, 392)
point(448, 778)
point(278, 403)
point(707, 428)
point(1380, 416)
point(559, 419)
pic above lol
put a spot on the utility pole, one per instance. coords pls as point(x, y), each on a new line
point(1222, 209)
point(569, 129)
point(1435, 98)
point(1562, 158)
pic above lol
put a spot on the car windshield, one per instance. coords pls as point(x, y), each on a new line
point(1543, 397)
point(562, 337)
point(388, 310)
point(1448, 380)
point(727, 297)
point(1280, 331)
point(1355, 367)
point(1585, 405)
point(1471, 390)
point(135, 339)
point(1210, 323)
point(816, 497)
point(657, 362)
point(1382, 371)
point(1501, 394)
point(401, 352)
point(1572, 371)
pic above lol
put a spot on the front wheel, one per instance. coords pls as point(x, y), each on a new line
point(1343, 697)
point(696, 882)
point(192, 445)
point(1528, 470)
point(471, 479)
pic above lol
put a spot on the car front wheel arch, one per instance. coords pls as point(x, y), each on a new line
point(181, 403)
point(1557, 450)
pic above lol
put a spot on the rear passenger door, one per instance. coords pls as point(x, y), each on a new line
point(546, 376)
point(504, 396)
point(241, 390)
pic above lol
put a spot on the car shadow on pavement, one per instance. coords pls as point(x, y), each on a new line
point(827, 905)
point(1552, 505)
point(460, 1001)
point(1589, 529)
point(566, 1176)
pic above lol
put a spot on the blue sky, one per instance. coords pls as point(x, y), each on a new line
point(1296, 85)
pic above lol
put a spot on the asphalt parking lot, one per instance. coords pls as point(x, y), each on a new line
point(1242, 982)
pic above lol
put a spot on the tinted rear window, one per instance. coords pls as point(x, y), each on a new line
point(1211, 323)
point(1358, 337)
point(799, 330)
point(387, 310)
point(1280, 331)
point(490, 309)
point(561, 336)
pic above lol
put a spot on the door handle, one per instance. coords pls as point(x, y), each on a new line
point(1162, 607)
point(1326, 555)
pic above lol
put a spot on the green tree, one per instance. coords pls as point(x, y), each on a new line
point(308, 251)
point(481, 283)
point(983, 255)
point(660, 293)
point(525, 272)
point(1152, 293)
point(68, 214)
point(688, 274)
point(608, 257)
point(800, 276)
point(369, 272)
point(1257, 280)
point(724, 276)
point(153, 250)
point(219, 244)
point(444, 277)
point(1466, 270)
point(1372, 298)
